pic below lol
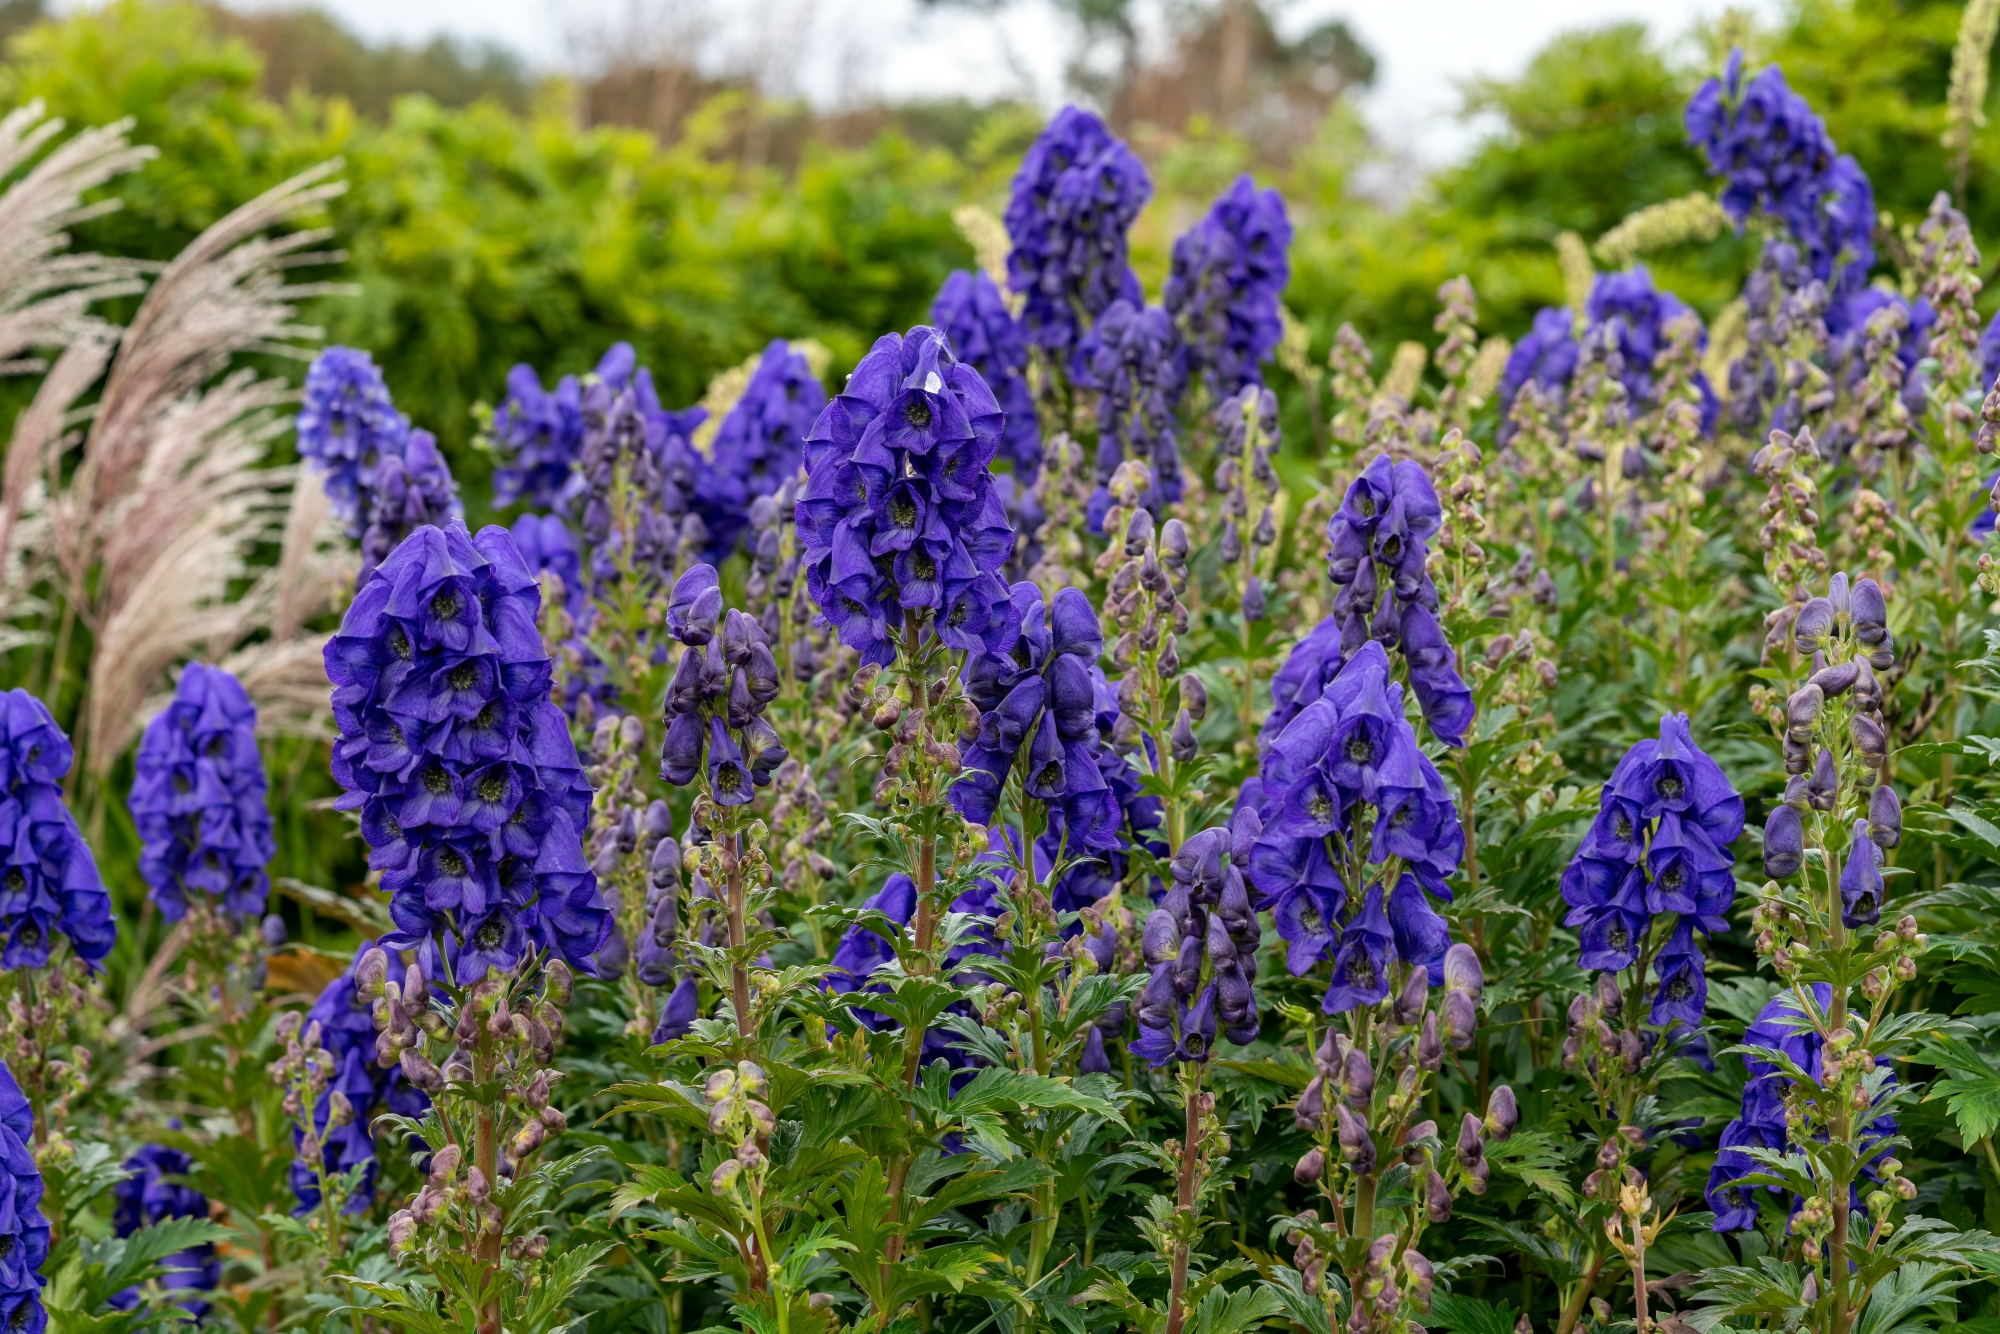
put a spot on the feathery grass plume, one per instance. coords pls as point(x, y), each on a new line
point(1693, 219)
point(1578, 275)
point(1965, 105)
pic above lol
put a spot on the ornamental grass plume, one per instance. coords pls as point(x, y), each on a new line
point(199, 799)
point(470, 792)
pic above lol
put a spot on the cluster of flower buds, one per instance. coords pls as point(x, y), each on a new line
point(1847, 634)
point(716, 703)
point(774, 593)
point(919, 738)
point(741, 1123)
point(1145, 612)
point(1201, 945)
point(305, 1071)
point(1596, 1044)
point(1247, 434)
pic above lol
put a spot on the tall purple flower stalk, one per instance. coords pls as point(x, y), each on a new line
point(1642, 312)
point(346, 426)
point(147, 1197)
point(1775, 157)
point(1377, 553)
point(1345, 788)
point(49, 882)
point(727, 677)
point(1135, 362)
point(198, 798)
point(413, 489)
point(900, 518)
point(1228, 273)
point(469, 787)
point(1040, 695)
point(1200, 948)
point(758, 444)
point(973, 315)
point(537, 433)
point(1659, 845)
point(24, 1233)
point(1074, 199)
point(1546, 355)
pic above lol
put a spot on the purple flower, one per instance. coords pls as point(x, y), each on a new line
point(973, 315)
point(1076, 195)
point(899, 515)
point(470, 790)
point(1547, 354)
point(49, 883)
point(715, 704)
point(537, 433)
point(758, 444)
point(1642, 313)
point(1361, 962)
point(1376, 551)
point(1861, 887)
point(1228, 272)
point(144, 1198)
point(412, 490)
point(1203, 985)
point(1783, 1030)
point(1775, 157)
point(346, 426)
point(1307, 671)
point(1133, 359)
point(24, 1233)
point(198, 798)
point(1659, 845)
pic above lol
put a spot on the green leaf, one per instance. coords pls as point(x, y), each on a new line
point(1471, 1315)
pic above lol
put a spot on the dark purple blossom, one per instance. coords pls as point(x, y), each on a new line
point(1776, 158)
point(146, 1197)
point(49, 883)
point(413, 489)
point(973, 315)
point(1200, 947)
point(537, 433)
point(1229, 271)
point(1345, 787)
point(24, 1233)
point(1642, 313)
point(198, 798)
point(757, 445)
point(1133, 359)
point(470, 791)
point(1659, 846)
point(716, 702)
point(1783, 1030)
point(1376, 555)
point(346, 426)
point(1074, 199)
point(900, 519)
point(1547, 354)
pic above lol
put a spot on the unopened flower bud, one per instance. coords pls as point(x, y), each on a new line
point(1311, 1167)
point(1502, 1115)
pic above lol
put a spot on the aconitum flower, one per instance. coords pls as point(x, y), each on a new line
point(347, 1033)
point(1200, 946)
point(1376, 556)
point(973, 315)
point(469, 787)
point(1228, 272)
point(146, 1197)
point(1659, 845)
point(1135, 363)
point(757, 445)
point(346, 426)
point(900, 519)
point(24, 1233)
point(538, 432)
point(1040, 695)
point(412, 490)
point(715, 706)
point(198, 798)
point(1308, 670)
point(49, 883)
point(1077, 193)
point(1345, 786)
point(1781, 1029)
point(1643, 312)
point(1775, 156)
point(1547, 354)
point(548, 547)
point(862, 953)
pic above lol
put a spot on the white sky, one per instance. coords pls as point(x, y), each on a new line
point(836, 50)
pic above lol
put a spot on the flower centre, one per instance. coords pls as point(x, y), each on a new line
point(924, 567)
point(445, 605)
point(1621, 825)
point(462, 676)
point(1618, 937)
point(1320, 807)
point(1680, 989)
point(490, 935)
point(436, 781)
point(1668, 786)
point(487, 716)
point(1360, 750)
point(16, 882)
point(1050, 775)
point(917, 413)
point(903, 510)
point(399, 643)
point(451, 863)
point(492, 785)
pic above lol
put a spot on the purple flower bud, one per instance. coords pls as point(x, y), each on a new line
point(1885, 817)
point(370, 973)
point(1357, 1080)
point(1356, 1146)
point(1430, 1049)
point(1869, 612)
point(696, 606)
point(1159, 943)
point(1411, 1000)
point(1784, 842)
point(1502, 1115)
point(1462, 971)
point(1437, 1199)
point(1869, 740)
point(1471, 1141)
point(1310, 1113)
point(1461, 1019)
point(680, 754)
point(1802, 711)
point(1311, 1167)
point(1835, 681)
point(1814, 623)
point(1823, 788)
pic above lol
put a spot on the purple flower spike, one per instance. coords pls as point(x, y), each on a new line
point(696, 606)
point(198, 798)
point(49, 883)
point(1222, 292)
